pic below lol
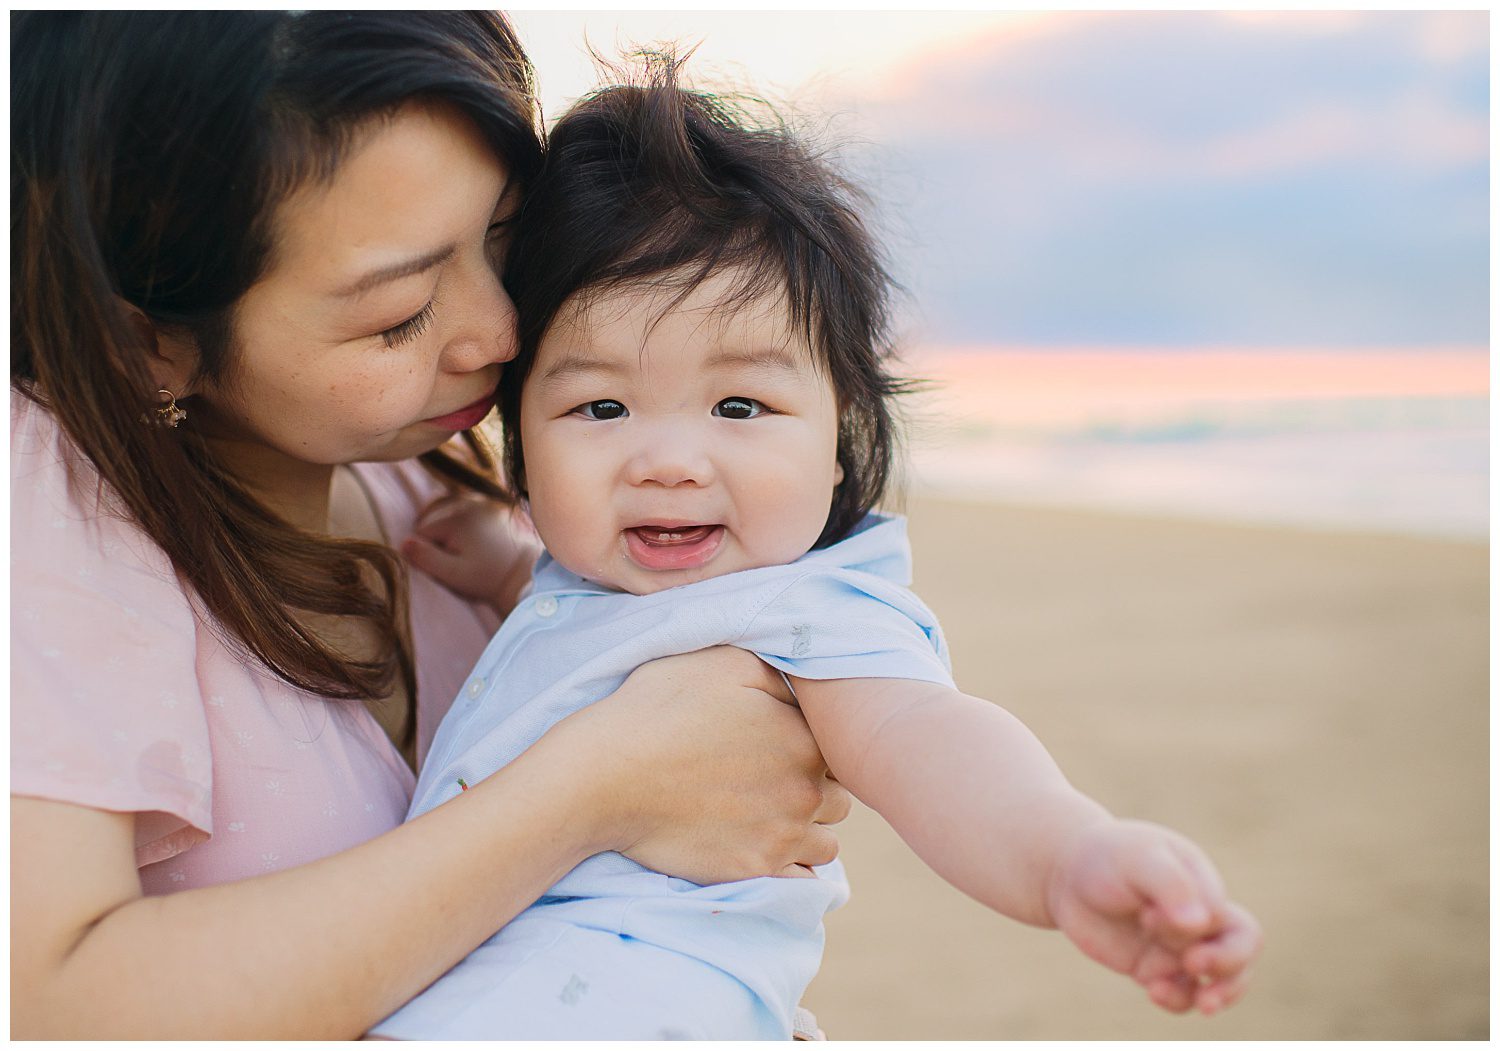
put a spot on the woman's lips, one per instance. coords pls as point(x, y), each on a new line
point(468, 416)
point(658, 547)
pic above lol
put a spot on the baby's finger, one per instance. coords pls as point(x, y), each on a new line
point(442, 509)
point(1160, 876)
point(1175, 993)
point(442, 524)
point(431, 559)
point(1155, 964)
point(1215, 996)
point(1210, 884)
point(1228, 952)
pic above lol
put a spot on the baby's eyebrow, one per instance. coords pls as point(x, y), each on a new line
point(776, 359)
point(773, 359)
point(580, 365)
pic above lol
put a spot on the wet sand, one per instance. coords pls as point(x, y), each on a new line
point(1311, 707)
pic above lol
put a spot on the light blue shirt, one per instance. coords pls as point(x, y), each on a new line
point(836, 613)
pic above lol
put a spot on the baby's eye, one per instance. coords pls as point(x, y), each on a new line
point(604, 409)
point(739, 408)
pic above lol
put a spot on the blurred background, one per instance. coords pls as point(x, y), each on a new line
point(1199, 484)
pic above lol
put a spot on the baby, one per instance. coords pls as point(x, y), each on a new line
point(699, 423)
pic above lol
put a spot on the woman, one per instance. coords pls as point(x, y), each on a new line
point(287, 228)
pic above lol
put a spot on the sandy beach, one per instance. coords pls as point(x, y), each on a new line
point(1310, 706)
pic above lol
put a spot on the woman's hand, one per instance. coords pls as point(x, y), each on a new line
point(706, 770)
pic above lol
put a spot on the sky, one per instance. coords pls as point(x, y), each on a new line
point(1170, 179)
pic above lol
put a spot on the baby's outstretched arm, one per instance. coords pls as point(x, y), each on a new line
point(975, 794)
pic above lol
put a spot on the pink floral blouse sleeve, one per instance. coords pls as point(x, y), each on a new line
point(105, 705)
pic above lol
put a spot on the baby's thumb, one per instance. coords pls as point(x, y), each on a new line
point(438, 521)
point(429, 558)
point(1162, 877)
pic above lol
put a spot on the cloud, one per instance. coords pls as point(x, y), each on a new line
point(1196, 177)
point(1453, 37)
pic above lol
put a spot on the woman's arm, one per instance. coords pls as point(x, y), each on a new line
point(979, 799)
point(322, 951)
point(719, 787)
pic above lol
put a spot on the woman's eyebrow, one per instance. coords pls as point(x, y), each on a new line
point(396, 271)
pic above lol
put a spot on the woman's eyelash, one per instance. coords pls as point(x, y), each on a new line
point(409, 329)
point(414, 326)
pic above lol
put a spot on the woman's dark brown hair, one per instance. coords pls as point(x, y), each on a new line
point(149, 153)
point(651, 183)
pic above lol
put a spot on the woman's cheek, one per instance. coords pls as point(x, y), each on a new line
point(387, 401)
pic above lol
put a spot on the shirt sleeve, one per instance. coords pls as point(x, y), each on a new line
point(846, 624)
point(106, 711)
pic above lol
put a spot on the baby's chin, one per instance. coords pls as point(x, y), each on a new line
point(649, 582)
point(635, 580)
point(620, 572)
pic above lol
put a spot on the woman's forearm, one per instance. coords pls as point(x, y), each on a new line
point(324, 950)
point(692, 767)
point(963, 782)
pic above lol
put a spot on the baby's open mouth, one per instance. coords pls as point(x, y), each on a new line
point(662, 546)
point(671, 536)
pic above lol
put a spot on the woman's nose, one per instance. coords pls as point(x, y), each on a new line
point(487, 325)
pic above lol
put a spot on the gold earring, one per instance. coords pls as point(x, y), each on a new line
point(168, 415)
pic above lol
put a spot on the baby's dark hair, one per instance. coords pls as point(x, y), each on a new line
point(656, 184)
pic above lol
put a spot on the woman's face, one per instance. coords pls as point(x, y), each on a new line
point(381, 325)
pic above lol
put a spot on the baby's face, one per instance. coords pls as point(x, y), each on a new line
point(665, 448)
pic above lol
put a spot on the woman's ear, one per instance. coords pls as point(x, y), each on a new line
point(171, 354)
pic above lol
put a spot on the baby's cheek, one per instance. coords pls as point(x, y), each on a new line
point(788, 535)
point(557, 525)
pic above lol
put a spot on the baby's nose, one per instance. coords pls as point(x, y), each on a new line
point(670, 457)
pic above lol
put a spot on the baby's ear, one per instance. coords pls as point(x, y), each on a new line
point(838, 474)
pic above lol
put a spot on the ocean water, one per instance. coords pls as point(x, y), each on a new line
point(1384, 440)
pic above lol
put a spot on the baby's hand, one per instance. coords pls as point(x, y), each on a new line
point(1146, 902)
point(478, 548)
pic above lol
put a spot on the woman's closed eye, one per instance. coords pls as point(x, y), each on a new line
point(603, 409)
point(497, 240)
point(740, 408)
point(409, 329)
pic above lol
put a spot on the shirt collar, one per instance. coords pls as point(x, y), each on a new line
point(877, 545)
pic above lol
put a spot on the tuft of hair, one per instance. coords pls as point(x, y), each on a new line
point(650, 183)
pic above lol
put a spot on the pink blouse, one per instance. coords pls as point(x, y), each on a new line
point(124, 698)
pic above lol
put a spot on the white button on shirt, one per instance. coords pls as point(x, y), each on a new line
point(546, 606)
point(476, 687)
